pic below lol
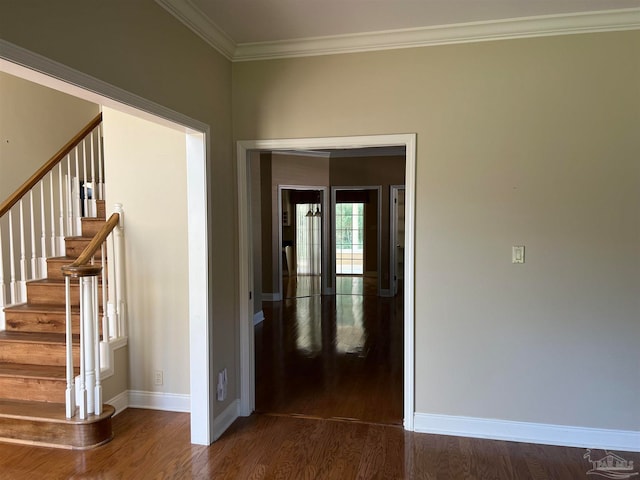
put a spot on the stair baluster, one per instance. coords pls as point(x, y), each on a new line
point(38, 333)
point(89, 394)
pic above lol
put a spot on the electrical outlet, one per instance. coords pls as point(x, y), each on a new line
point(158, 377)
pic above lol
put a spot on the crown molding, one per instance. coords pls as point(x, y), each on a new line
point(505, 29)
point(200, 24)
point(525, 27)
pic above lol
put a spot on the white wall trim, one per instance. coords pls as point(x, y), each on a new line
point(201, 25)
point(540, 433)
point(44, 71)
point(109, 369)
point(245, 273)
point(504, 29)
point(226, 418)
point(258, 317)
point(170, 402)
point(120, 402)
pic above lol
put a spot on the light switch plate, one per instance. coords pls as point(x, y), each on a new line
point(517, 254)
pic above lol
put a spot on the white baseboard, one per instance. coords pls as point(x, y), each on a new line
point(545, 434)
point(225, 419)
point(258, 317)
point(120, 402)
point(173, 403)
point(170, 402)
point(271, 297)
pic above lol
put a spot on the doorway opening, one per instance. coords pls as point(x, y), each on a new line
point(354, 346)
point(358, 240)
point(302, 268)
point(42, 71)
point(349, 228)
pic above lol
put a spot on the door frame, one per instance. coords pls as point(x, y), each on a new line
point(393, 224)
point(324, 276)
point(245, 273)
point(44, 71)
point(334, 254)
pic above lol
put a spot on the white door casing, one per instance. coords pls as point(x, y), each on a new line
point(245, 274)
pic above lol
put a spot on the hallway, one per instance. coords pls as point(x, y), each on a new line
point(332, 357)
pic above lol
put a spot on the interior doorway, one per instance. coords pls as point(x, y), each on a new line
point(303, 237)
point(357, 239)
point(407, 142)
point(22, 63)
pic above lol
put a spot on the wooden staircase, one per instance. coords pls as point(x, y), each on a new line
point(32, 360)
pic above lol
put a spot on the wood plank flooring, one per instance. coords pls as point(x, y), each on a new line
point(332, 357)
point(151, 444)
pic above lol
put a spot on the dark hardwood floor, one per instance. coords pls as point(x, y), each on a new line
point(155, 445)
point(307, 285)
point(332, 356)
point(330, 383)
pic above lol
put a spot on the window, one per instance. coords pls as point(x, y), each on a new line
point(350, 238)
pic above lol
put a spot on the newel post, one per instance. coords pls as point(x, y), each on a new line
point(89, 390)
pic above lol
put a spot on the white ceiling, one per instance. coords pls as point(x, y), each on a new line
point(260, 29)
point(248, 21)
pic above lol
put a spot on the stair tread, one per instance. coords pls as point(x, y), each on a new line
point(47, 411)
point(46, 372)
point(41, 308)
point(36, 337)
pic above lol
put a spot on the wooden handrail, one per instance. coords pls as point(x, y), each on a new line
point(79, 268)
point(47, 167)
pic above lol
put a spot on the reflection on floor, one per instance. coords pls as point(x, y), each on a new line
point(307, 285)
point(331, 356)
point(356, 285)
point(301, 285)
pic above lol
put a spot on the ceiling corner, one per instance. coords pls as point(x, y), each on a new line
point(194, 19)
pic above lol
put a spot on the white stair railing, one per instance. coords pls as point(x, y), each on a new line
point(48, 206)
point(84, 393)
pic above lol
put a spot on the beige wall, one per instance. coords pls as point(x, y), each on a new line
point(143, 162)
point(532, 142)
point(519, 142)
point(139, 47)
point(35, 122)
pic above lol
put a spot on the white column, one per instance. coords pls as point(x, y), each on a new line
point(70, 403)
point(87, 339)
